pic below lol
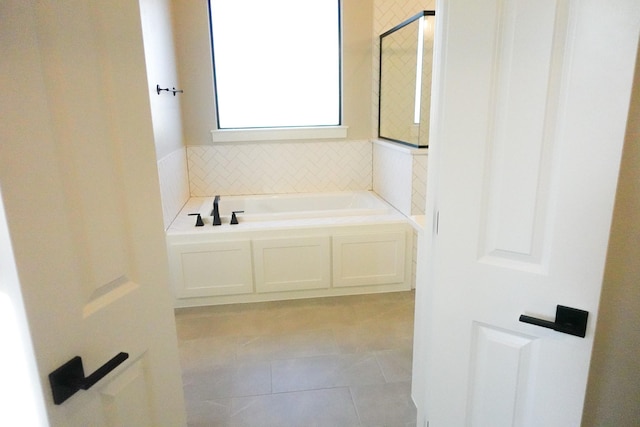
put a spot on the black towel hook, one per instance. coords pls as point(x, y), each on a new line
point(174, 90)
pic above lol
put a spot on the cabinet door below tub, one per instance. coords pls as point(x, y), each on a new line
point(292, 264)
point(211, 269)
point(369, 259)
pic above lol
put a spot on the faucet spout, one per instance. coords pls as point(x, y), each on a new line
point(215, 213)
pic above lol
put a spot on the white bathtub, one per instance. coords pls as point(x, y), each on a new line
point(289, 206)
point(289, 246)
point(277, 209)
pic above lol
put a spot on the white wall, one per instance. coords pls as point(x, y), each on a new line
point(166, 114)
point(160, 58)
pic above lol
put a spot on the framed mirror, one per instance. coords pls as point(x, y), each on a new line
point(406, 56)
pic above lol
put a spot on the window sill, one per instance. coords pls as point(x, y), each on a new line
point(278, 134)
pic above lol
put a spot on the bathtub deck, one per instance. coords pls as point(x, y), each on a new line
point(185, 224)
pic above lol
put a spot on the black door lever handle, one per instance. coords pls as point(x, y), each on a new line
point(69, 378)
point(568, 320)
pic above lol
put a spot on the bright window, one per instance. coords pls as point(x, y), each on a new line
point(276, 62)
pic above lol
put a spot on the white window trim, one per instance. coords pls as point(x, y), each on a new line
point(278, 134)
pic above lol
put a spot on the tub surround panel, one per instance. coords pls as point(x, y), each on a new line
point(399, 176)
point(392, 177)
point(266, 260)
point(414, 258)
point(418, 203)
point(291, 264)
point(211, 269)
point(279, 167)
point(290, 268)
point(174, 184)
point(352, 255)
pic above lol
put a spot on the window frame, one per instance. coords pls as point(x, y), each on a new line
point(279, 132)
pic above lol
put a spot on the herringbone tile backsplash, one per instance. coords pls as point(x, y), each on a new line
point(282, 167)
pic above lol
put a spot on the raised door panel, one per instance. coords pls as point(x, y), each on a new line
point(122, 401)
point(502, 370)
point(127, 399)
point(208, 269)
point(518, 191)
point(368, 259)
point(291, 264)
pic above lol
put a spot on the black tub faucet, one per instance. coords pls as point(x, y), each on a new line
point(215, 213)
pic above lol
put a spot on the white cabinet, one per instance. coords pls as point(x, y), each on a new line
point(291, 264)
point(368, 259)
point(223, 267)
point(211, 268)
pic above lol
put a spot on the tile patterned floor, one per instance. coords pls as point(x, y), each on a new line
point(335, 362)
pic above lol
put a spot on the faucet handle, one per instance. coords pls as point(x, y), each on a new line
point(199, 222)
point(234, 219)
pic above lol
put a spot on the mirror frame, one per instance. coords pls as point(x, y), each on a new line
point(403, 24)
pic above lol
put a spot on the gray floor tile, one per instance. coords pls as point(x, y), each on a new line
point(336, 362)
point(205, 353)
point(212, 413)
point(273, 347)
point(395, 364)
point(325, 372)
point(241, 379)
point(387, 405)
point(359, 338)
point(328, 407)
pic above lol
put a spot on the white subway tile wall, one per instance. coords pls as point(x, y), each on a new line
point(419, 195)
point(174, 184)
point(280, 167)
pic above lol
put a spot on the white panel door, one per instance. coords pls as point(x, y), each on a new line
point(80, 190)
point(532, 102)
